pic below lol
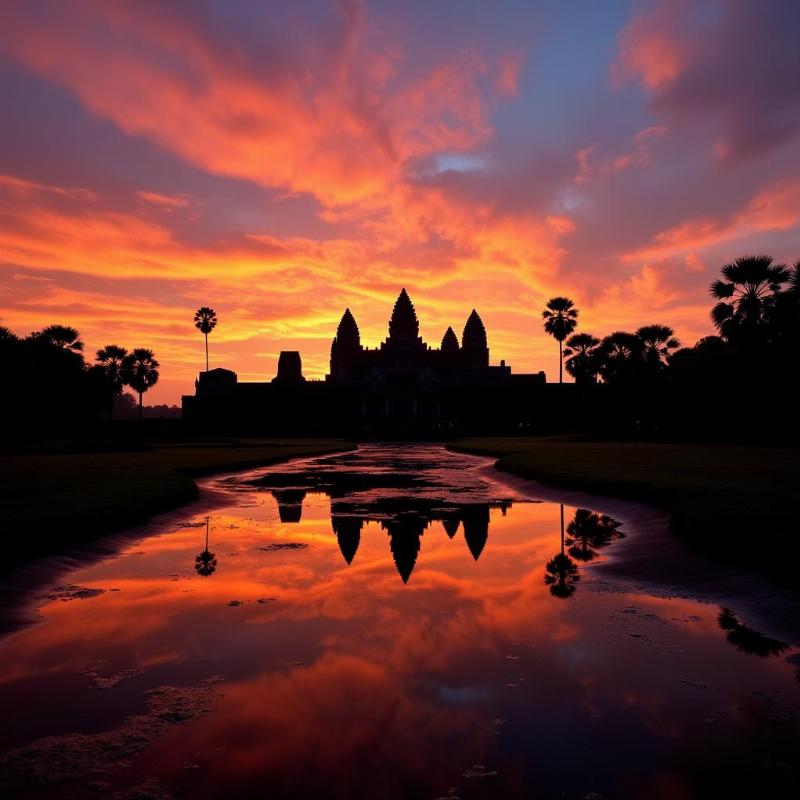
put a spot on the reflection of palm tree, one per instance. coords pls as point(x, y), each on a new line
point(561, 572)
point(562, 575)
point(205, 320)
point(560, 318)
point(589, 530)
point(746, 639)
point(205, 563)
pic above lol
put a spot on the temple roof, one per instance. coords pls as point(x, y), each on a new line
point(347, 332)
point(403, 324)
point(474, 333)
point(449, 341)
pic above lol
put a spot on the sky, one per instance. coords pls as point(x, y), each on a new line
point(280, 162)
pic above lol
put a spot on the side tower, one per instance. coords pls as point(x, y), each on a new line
point(345, 349)
point(450, 347)
point(474, 347)
point(290, 368)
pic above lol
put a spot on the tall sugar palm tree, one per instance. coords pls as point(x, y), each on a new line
point(747, 292)
point(64, 337)
point(140, 372)
point(111, 360)
point(560, 318)
point(658, 342)
point(205, 320)
point(582, 354)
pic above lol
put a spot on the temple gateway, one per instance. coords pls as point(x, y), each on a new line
point(402, 385)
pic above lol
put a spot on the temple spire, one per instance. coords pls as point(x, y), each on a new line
point(403, 324)
point(474, 332)
point(450, 342)
point(347, 334)
point(474, 345)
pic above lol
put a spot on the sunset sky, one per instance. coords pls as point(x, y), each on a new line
point(280, 161)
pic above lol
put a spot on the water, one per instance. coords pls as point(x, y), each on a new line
point(395, 622)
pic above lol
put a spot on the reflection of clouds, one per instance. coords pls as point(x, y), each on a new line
point(154, 614)
point(363, 715)
point(349, 673)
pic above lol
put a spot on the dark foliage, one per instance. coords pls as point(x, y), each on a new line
point(51, 392)
point(725, 387)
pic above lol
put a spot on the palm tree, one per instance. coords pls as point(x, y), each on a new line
point(64, 337)
point(747, 294)
point(582, 357)
point(794, 279)
point(620, 354)
point(205, 320)
point(140, 372)
point(658, 342)
point(560, 318)
point(111, 360)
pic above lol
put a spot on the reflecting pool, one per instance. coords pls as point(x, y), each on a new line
point(393, 622)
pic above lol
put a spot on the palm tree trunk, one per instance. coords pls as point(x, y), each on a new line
point(206, 335)
point(560, 363)
point(140, 409)
point(562, 529)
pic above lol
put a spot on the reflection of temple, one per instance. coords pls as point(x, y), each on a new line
point(405, 527)
point(403, 384)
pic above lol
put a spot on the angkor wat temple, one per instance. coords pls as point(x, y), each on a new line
point(404, 385)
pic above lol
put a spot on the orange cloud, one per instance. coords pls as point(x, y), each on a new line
point(651, 47)
point(775, 208)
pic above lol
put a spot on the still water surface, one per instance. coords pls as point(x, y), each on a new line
point(394, 622)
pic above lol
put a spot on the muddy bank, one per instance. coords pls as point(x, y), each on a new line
point(42, 550)
point(653, 559)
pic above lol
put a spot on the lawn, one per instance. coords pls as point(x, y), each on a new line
point(51, 501)
point(734, 502)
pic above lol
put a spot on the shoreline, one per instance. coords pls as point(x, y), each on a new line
point(31, 576)
point(649, 558)
point(56, 503)
point(715, 496)
point(652, 558)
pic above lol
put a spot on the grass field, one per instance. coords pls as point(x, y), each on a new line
point(50, 501)
point(737, 503)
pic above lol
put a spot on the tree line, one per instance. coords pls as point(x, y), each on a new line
point(641, 380)
point(654, 382)
point(52, 389)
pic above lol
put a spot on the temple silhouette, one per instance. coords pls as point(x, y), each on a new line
point(402, 385)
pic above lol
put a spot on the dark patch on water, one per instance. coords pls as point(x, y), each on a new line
point(56, 759)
